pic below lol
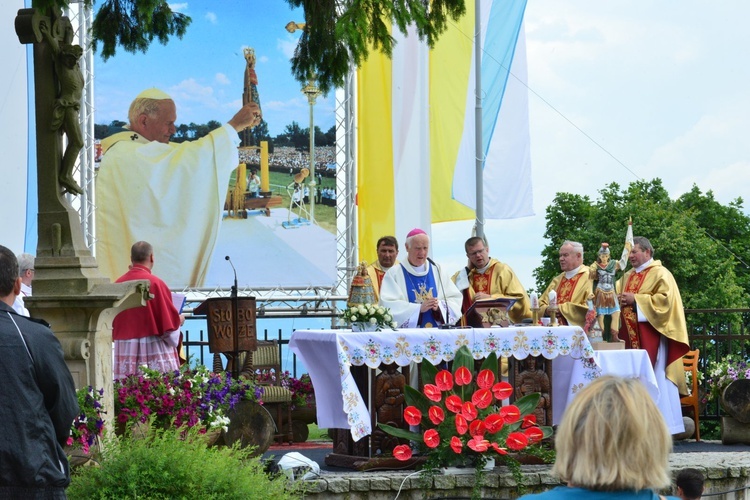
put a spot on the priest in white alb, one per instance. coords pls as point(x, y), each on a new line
point(169, 194)
point(418, 293)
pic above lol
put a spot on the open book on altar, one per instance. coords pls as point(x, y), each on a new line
point(489, 312)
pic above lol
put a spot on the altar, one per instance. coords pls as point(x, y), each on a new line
point(330, 356)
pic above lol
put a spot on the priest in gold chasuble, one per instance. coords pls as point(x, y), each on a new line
point(387, 248)
point(653, 317)
point(488, 278)
point(573, 287)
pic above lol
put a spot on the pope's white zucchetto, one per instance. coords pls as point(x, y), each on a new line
point(154, 93)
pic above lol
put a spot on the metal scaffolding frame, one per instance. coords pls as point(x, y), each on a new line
point(308, 300)
point(81, 18)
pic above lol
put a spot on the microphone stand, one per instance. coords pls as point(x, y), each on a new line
point(235, 325)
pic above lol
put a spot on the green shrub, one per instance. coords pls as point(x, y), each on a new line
point(164, 465)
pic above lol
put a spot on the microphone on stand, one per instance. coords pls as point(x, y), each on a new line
point(234, 287)
point(445, 297)
point(235, 325)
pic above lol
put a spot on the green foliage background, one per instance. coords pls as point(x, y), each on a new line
point(704, 244)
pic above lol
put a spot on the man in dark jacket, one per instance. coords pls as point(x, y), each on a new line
point(37, 399)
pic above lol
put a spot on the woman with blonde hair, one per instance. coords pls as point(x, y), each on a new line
point(612, 444)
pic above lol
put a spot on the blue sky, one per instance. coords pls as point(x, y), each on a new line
point(204, 70)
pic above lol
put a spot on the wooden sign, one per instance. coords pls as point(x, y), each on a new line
point(219, 316)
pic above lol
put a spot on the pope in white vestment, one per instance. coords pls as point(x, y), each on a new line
point(417, 292)
point(171, 195)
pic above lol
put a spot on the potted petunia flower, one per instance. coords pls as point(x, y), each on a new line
point(461, 419)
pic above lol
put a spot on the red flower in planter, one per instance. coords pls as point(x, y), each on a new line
point(494, 423)
point(436, 414)
point(444, 380)
point(502, 390)
point(511, 414)
point(462, 426)
point(498, 449)
point(462, 376)
point(517, 441)
point(478, 444)
point(456, 444)
point(535, 434)
point(477, 428)
point(412, 415)
point(453, 403)
point(465, 414)
point(402, 452)
point(469, 411)
point(485, 379)
point(432, 392)
point(528, 421)
point(431, 438)
point(482, 398)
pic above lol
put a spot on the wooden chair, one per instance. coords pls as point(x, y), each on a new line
point(690, 362)
point(267, 358)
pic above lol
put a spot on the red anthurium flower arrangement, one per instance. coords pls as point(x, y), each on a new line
point(461, 416)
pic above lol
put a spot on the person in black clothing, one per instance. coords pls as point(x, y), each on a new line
point(38, 398)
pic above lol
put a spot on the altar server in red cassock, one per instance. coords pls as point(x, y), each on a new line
point(146, 335)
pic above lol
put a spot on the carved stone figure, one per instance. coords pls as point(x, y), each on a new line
point(68, 102)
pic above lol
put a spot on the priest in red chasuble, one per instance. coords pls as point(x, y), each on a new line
point(387, 248)
point(488, 278)
point(572, 287)
point(652, 314)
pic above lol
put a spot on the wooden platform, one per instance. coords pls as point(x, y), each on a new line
point(255, 203)
point(264, 203)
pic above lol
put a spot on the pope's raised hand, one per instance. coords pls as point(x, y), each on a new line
point(248, 116)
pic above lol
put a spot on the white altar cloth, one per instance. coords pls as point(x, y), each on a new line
point(627, 363)
point(330, 354)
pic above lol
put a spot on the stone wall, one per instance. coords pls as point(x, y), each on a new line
point(725, 472)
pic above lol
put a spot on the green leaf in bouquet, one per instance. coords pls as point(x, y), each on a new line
point(401, 433)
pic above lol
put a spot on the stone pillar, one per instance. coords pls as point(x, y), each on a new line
point(69, 292)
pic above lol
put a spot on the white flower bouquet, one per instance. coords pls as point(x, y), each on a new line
point(369, 315)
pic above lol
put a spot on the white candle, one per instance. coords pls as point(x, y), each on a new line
point(534, 301)
point(552, 298)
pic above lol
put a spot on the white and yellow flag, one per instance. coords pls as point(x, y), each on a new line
point(416, 134)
